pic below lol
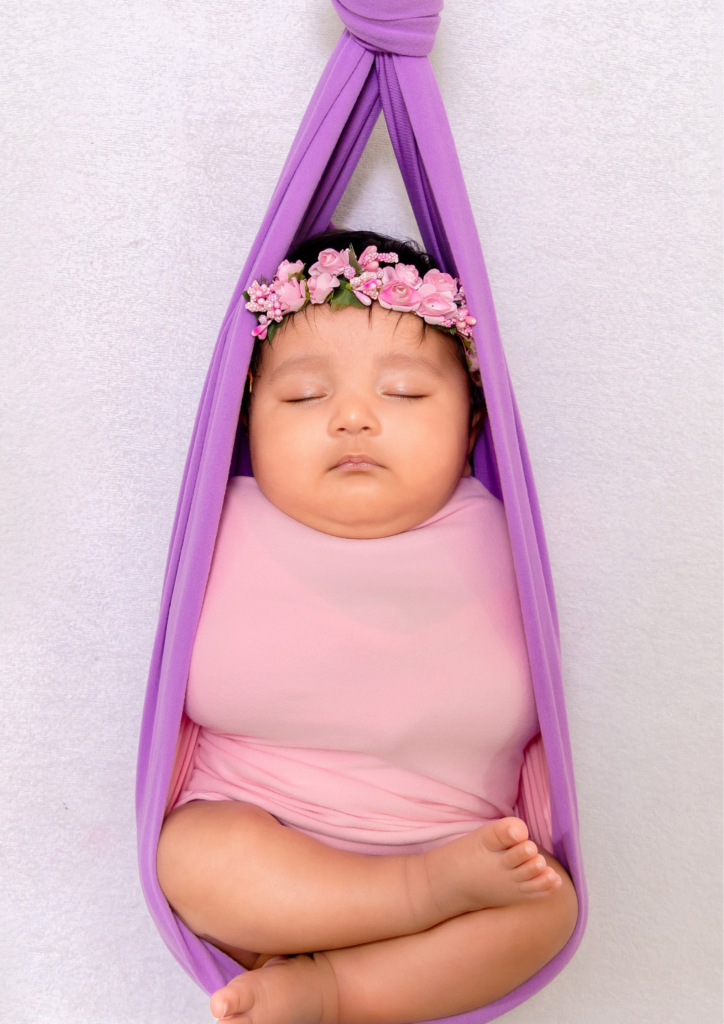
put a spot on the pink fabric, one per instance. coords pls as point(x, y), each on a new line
point(188, 738)
point(373, 693)
point(534, 795)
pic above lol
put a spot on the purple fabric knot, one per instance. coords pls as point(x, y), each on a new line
point(408, 27)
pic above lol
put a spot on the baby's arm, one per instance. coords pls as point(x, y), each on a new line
point(242, 880)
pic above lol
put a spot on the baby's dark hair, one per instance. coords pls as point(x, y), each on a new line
point(409, 252)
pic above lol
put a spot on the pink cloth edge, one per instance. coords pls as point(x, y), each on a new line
point(188, 737)
point(533, 805)
point(534, 797)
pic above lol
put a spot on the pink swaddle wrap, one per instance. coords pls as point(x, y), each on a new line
point(373, 693)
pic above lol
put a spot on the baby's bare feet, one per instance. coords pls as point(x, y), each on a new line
point(301, 989)
point(494, 866)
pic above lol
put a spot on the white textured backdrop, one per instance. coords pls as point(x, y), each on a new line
point(142, 142)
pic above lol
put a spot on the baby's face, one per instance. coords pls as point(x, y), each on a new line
point(359, 427)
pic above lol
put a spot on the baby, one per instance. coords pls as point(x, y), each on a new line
point(360, 673)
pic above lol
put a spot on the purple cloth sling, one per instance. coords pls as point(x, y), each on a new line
point(380, 62)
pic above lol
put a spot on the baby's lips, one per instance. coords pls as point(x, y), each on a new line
point(359, 460)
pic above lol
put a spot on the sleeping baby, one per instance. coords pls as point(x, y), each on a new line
point(347, 830)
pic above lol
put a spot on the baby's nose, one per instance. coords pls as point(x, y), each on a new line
point(353, 417)
point(352, 425)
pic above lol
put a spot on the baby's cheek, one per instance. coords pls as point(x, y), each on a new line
point(432, 443)
point(288, 459)
point(279, 435)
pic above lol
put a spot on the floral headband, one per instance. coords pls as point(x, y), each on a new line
point(342, 279)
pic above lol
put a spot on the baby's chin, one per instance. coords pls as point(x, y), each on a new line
point(361, 517)
point(362, 529)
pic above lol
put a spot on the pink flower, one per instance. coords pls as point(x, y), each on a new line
point(435, 306)
point(330, 262)
point(399, 295)
point(441, 282)
point(464, 322)
point(404, 272)
point(286, 269)
point(292, 294)
point(321, 286)
point(367, 291)
point(368, 259)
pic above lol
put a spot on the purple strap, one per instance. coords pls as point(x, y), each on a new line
point(379, 62)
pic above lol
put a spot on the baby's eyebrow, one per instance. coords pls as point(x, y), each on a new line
point(404, 360)
point(296, 363)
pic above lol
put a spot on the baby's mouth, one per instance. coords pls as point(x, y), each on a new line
point(358, 463)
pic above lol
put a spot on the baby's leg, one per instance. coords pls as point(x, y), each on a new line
point(454, 967)
point(239, 878)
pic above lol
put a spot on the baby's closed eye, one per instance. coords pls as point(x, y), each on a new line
point(305, 398)
point(404, 394)
point(303, 389)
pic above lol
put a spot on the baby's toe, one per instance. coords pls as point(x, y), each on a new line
point(519, 854)
point(501, 835)
point(545, 882)
point(236, 997)
point(530, 869)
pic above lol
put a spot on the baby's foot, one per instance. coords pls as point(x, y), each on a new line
point(494, 866)
point(301, 989)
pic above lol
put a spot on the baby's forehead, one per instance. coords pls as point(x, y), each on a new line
point(312, 361)
point(338, 340)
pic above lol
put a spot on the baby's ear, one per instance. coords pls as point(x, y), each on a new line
point(477, 418)
point(476, 425)
point(244, 412)
point(246, 401)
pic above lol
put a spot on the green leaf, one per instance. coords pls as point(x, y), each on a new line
point(344, 296)
point(353, 261)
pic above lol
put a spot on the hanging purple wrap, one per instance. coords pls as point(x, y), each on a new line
point(380, 62)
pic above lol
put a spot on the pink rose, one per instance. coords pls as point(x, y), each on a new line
point(321, 286)
point(286, 269)
point(404, 272)
point(389, 274)
point(435, 306)
point(441, 282)
point(291, 293)
point(330, 262)
point(399, 296)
